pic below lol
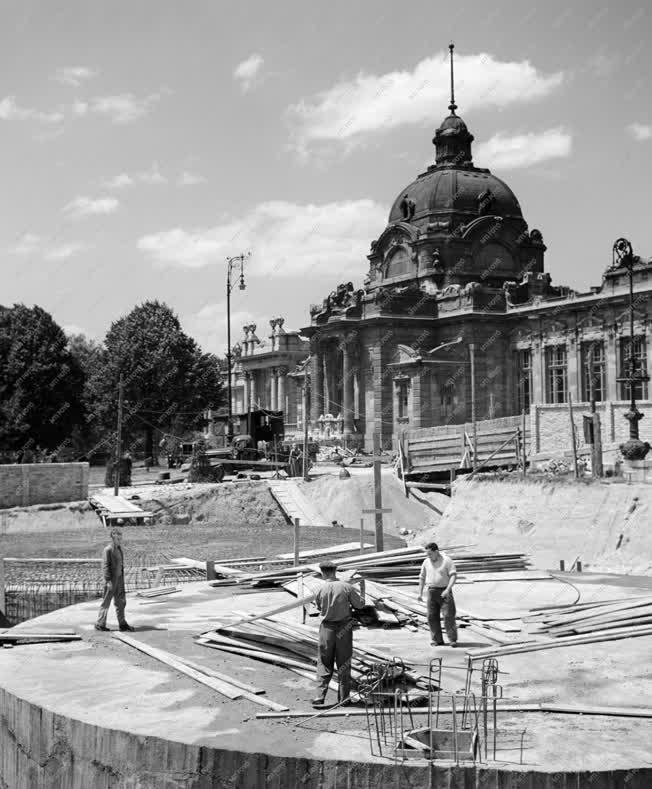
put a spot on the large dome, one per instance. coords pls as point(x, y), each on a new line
point(448, 190)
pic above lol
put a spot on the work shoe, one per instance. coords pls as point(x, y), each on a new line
point(436, 643)
point(452, 644)
point(102, 627)
point(318, 702)
point(127, 627)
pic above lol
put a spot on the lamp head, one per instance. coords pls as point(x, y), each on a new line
point(242, 285)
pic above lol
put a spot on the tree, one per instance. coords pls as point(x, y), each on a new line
point(40, 381)
point(91, 437)
point(168, 380)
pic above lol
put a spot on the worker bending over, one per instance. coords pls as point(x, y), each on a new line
point(334, 600)
point(438, 574)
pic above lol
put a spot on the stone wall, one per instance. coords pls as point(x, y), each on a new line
point(550, 425)
point(23, 484)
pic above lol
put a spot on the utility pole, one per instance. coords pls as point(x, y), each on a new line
point(118, 443)
point(473, 414)
point(306, 384)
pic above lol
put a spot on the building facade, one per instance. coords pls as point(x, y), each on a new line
point(264, 373)
point(457, 317)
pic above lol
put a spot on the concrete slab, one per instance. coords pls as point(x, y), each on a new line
point(91, 702)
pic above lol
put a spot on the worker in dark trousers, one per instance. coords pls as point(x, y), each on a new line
point(438, 575)
point(334, 601)
point(114, 583)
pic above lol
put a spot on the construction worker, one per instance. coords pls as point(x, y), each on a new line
point(438, 574)
point(114, 583)
point(334, 600)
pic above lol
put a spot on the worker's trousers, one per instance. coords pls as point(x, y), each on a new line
point(439, 606)
point(114, 590)
point(335, 646)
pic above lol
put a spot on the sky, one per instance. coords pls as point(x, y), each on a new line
point(143, 143)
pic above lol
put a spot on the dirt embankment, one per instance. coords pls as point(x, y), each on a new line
point(344, 499)
point(606, 525)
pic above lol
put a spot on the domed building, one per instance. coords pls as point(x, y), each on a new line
point(457, 320)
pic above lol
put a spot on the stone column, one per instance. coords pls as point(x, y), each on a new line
point(252, 391)
point(347, 388)
point(246, 399)
point(573, 369)
point(325, 381)
point(611, 365)
point(273, 404)
point(316, 384)
point(282, 372)
point(538, 394)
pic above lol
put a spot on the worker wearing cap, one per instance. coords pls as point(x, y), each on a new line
point(438, 574)
point(334, 600)
point(114, 583)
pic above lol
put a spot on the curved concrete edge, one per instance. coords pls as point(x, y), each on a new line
point(39, 748)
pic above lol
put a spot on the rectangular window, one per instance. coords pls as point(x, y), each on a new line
point(524, 379)
point(593, 371)
point(402, 393)
point(556, 374)
point(640, 356)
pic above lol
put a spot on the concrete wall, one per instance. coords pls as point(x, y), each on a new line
point(23, 484)
point(42, 750)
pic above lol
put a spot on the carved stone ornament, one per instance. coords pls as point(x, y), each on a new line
point(408, 208)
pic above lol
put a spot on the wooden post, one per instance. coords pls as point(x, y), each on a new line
point(3, 602)
point(300, 594)
point(296, 542)
point(562, 565)
point(473, 414)
point(363, 589)
point(572, 430)
point(118, 443)
point(211, 575)
point(524, 452)
point(378, 494)
point(596, 459)
point(361, 535)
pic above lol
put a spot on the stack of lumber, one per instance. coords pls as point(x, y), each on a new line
point(593, 617)
point(293, 646)
point(583, 623)
point(408, 609)
point(397, 566)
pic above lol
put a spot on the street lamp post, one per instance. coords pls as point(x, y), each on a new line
point(232, 262)
point(634, 448)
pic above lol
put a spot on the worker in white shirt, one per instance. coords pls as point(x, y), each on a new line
point(438, 574)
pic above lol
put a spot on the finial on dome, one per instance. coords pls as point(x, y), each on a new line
point(452, 106)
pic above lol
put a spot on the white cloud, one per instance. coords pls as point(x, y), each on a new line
point(119, 181)
point(27, 244)
point(190, 179)
point(505, 152)
point(89, 206)
point(10, 110)
point(80, 108)
point(640, 131)
point(208, 327)
point(65, 251)
point(152, 177)
point(369, 103)
point(246, 72)
point(122, 108)
point(74, 75)
point(329, 240)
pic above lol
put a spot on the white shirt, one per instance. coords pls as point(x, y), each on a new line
point(438, 572)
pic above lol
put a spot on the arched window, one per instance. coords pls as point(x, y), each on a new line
point(398, 263)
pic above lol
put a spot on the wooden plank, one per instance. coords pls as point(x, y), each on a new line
point(211, 672)
point(176, 663)
point(347, 547)
point(355, 712)
point(517, 649)
point(9, 635)
point(265, 614)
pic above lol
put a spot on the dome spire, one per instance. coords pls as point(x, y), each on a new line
point(452, 139)
point(452, 106)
